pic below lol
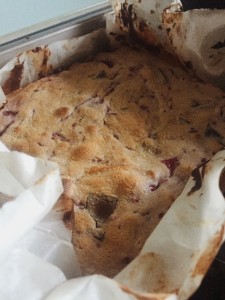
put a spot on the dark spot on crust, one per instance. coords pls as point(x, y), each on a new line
point(101, 207)
point(10, 113)
point(68, 219)
point(153, 187)
point(5, 128)
point(182, 120)
point(13, 82)
point(145, 108)
point(101, 74)
point(219, 45)
point(99, 234)
point(116, 136)
point(110, 89)
point(59, 136)
point(211, 132)
point(108, 63)
point(161, 215)
point(192, 130)
point(145, 213)
point(126, 260)
point(188, 65)
point(204, 160)
point(195, 103)
point(135, 69)
point(165, 78)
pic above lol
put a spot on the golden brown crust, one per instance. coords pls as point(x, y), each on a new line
point(126, 129)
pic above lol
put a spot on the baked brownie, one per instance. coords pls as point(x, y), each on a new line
point(126, 129)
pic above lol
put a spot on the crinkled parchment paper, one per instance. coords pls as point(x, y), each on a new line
point(197, 37)
point(198, 40)
point(181, 248)
point(36, 256)
point(29, 188)
point(44, 60)
point(144, 19)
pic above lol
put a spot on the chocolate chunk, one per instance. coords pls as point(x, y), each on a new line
point(101, 207)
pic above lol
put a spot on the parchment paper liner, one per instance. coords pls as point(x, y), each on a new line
point(196, 37)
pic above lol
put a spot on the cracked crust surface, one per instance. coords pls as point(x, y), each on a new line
point(126, 129)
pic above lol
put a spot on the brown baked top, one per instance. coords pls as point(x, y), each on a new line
point(126, 129)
